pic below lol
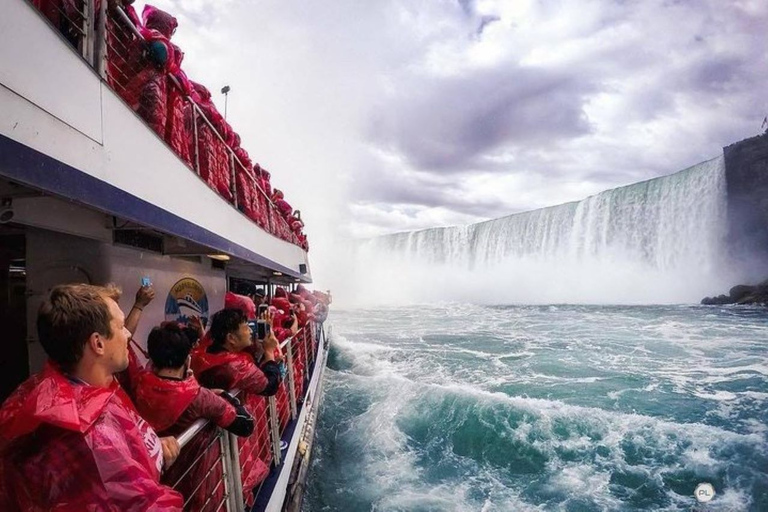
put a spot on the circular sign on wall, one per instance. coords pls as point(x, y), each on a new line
point(186, 299)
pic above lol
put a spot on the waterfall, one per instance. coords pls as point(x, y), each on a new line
point(655, 241)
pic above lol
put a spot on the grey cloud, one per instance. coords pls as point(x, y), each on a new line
point(468, 7)
point(386, 186)
point(485, 21)
point(448, 125)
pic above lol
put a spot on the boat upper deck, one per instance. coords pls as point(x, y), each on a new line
point(65, 132)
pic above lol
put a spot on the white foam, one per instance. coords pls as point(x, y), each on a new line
point(409, 376)
point(717, 395)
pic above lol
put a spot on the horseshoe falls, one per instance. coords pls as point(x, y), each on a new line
point(658, 241)
point(557, 359)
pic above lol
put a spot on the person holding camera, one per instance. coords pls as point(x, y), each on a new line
point(225, 363)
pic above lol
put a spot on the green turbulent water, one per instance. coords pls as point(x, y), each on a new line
point(568, 408)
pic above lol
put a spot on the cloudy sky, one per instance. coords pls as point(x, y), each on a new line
point(380, 116)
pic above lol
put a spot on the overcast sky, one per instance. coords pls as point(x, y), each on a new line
point(384, 116)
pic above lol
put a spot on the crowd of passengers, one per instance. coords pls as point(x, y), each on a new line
point(146, 71)
point(95, 429)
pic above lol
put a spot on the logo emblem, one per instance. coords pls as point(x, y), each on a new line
point(186, 299)
point(704, 492)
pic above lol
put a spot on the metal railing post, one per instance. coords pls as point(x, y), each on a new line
point(291, 382)
point(232, 176)
point(306, 348)
point(268, 205)
point(226, 468)
point(274, 428)
point(237, 500)
point(100, 41)
point(86, 44)
point(197, 138)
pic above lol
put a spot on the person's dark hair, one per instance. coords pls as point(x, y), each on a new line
point(224, 322)
point(192, 334)
point(69, 315)
point(168, 346)
point(259, 292)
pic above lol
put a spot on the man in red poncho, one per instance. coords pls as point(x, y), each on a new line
point(223, 361)
point(171, 400)
point(70, 439)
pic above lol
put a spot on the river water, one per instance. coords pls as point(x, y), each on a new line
point(551, 407)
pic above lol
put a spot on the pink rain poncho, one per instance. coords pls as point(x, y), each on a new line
point(239, 371)
point(125, 51)
point(177, 129)
point(74, 447)
point(212, 152)
point(146, 91)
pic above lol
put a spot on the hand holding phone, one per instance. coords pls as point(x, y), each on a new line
point(145, 293)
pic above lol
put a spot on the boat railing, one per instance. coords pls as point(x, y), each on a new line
point(208, 471)
point(73, 19)
point(106, 37)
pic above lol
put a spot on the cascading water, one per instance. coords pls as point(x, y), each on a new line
point(481, 399)
point(655, 241)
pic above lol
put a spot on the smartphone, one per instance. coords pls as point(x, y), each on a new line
point(252, 326)
point(262, 329)
point(146, 281)
point(263, 309)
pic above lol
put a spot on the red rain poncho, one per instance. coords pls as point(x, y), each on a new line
point(284, 207)
point(65, 16)
point(73, 447)
point(238, 371)
point(259, 202)
point(212, 153)
point(171, 406)
point(246, 194)
point(203, 146)
point(177, 130)
point(266, 184)
point(147, 91)
point(160, 401)
point(125, 50)
point(241, 302)
point(127, 378)
point(159, 20)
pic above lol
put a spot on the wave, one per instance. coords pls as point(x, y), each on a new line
point(416, 442)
